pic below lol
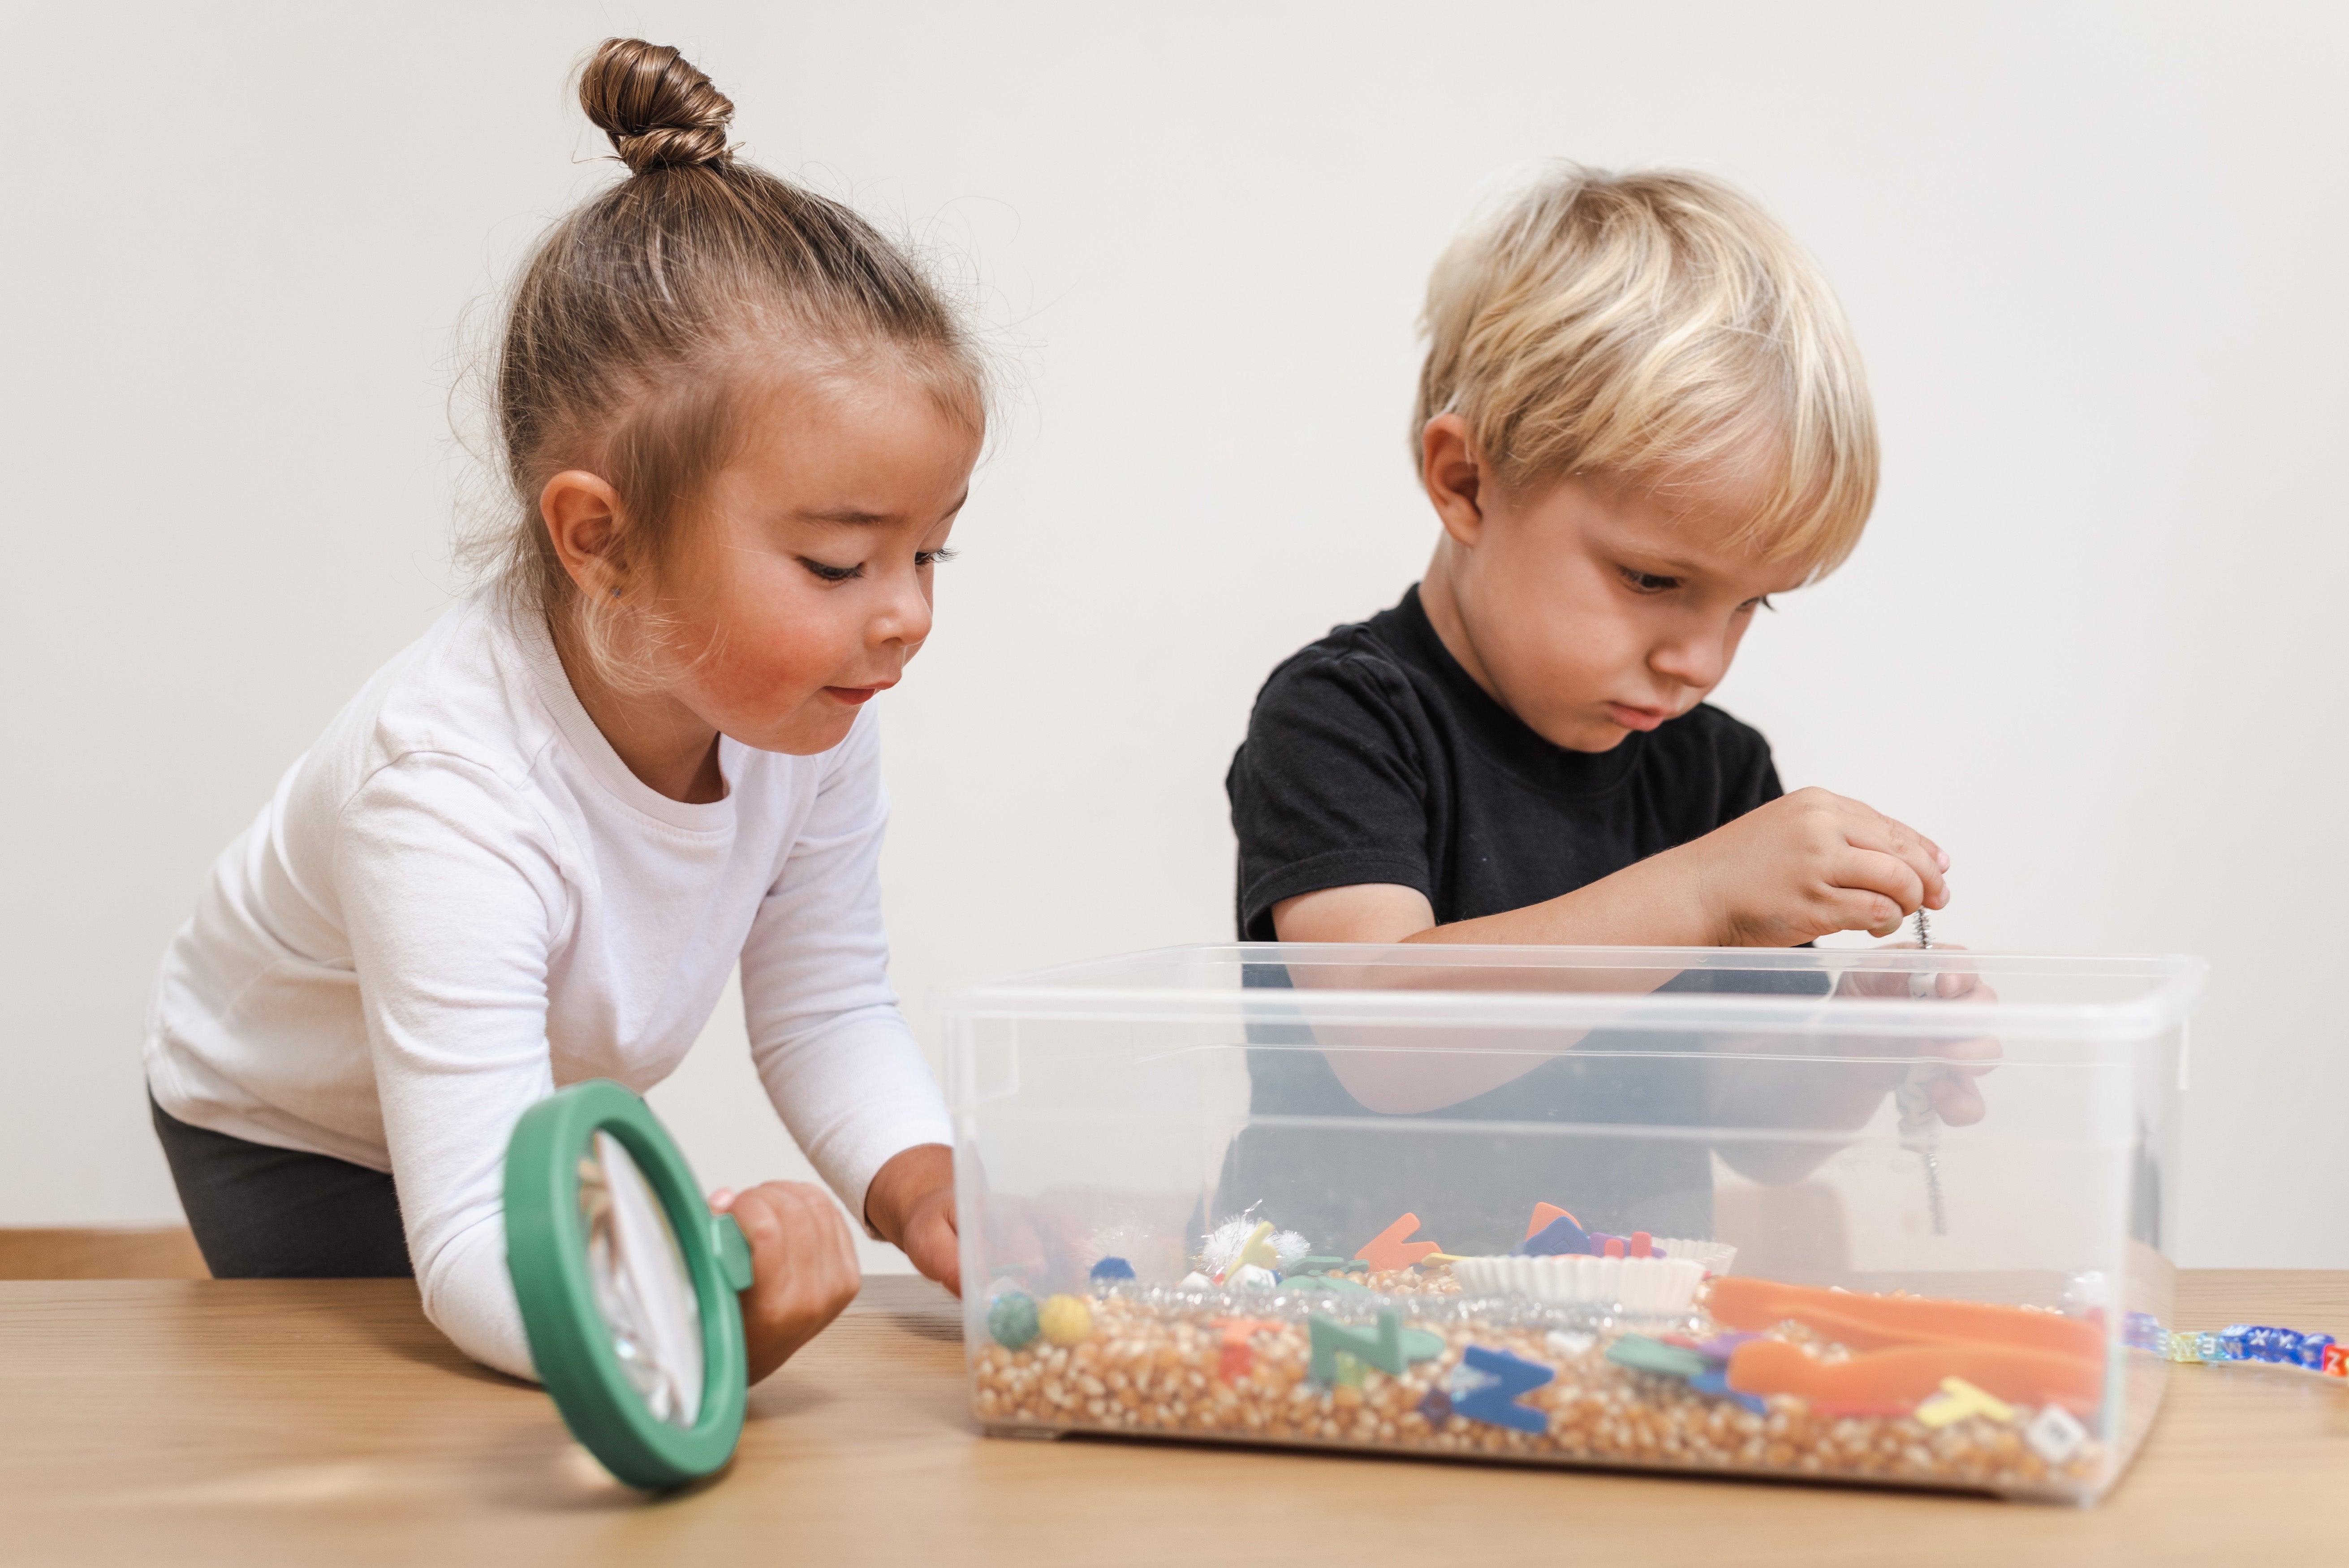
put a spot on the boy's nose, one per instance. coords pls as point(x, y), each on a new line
point(1698, 661)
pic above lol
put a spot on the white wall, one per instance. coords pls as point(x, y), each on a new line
point(2090, 643)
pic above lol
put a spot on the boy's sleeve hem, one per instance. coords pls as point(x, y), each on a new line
point(1338, 868)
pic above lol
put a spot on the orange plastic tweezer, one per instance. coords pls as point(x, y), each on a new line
point(1879, 1322)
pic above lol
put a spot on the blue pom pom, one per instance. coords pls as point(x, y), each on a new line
point(1112, 1268)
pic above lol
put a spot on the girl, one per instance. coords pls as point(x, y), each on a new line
point(738, 425)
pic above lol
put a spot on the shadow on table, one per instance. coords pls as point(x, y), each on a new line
point(387, 1315)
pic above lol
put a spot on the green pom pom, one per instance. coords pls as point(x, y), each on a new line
point(1012, 1319)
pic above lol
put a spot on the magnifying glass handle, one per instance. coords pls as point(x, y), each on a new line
point(733, 1250)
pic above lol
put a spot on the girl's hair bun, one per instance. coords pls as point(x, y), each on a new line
point(657, 108)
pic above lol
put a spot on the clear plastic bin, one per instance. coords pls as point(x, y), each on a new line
point(1886, 1216)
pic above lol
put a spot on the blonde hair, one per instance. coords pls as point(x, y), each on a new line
point(1654, 325)
point(631, 332)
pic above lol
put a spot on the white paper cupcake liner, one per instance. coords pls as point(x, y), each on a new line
point(1664, 1284)
point(1716, 1256)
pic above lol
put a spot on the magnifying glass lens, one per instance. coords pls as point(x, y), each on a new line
point(643, 1289)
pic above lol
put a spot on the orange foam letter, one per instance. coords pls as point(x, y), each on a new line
point(1388, 1250)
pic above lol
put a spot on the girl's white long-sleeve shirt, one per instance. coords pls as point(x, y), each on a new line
point(461, 899)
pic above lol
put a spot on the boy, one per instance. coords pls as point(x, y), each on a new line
point(1641, 413)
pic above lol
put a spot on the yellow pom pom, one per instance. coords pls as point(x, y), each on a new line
point(1066, 1319)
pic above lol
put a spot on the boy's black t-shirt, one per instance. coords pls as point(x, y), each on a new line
point(1373, 756)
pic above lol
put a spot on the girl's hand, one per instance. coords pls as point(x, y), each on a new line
point(1807, 865)
point(911, 1202)
point(802, 1267)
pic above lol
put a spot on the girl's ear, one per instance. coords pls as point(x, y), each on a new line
point(1454, 477)
point(582, 514)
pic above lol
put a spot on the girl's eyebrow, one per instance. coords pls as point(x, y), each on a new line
point(857, 517)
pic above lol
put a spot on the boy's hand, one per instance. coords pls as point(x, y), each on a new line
point(1951, 1089)
point(1807, 865)
point(802, 1267)
point(912, 1204)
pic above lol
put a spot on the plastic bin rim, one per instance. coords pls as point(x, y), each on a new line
point(1046, 992)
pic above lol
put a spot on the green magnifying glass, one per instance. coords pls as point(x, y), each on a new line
point(627, 1286)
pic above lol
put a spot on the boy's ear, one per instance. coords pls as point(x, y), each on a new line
point(582, 514)
point(1454, 474)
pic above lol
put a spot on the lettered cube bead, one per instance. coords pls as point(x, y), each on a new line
point(2054, 1435)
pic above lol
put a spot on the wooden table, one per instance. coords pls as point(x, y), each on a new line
point(160, 1422)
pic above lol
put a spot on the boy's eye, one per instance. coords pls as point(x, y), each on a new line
point(825, 573)
point(1761, 603)
point(926, 558)
point(1647, 582)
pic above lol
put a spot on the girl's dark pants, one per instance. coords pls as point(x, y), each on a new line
point(260, 1212)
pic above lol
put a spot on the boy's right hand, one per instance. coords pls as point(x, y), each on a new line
point(803, 1269)
point(1807, 865)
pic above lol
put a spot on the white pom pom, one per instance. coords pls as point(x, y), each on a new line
point(1220, 1247)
